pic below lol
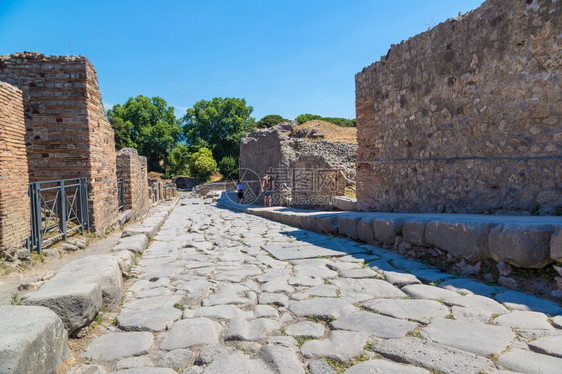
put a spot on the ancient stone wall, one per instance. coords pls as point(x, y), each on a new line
point(130, 167)
point(309, 168)
point(14, 201)
point(466, 116)
point(67, 132)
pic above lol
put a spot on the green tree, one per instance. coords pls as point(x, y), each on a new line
point(269, 121)
point(303, 118)
point(123, 131)
point(179, 160)
point(220, 122)
point(202, 164)
point(228, 166)
point(154, 130)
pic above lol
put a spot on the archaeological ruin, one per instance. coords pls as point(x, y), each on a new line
point(301, 161)
point(14, 201)
point(67, 133)
point(465, 117)
point(133, 169)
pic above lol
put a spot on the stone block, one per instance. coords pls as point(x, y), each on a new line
point(347, 226)
point(556, 246)
point(344, 203)
point(33, 340)
point(463, 239)
point(135, 244)
point(386, 229)
point(328, 225)
point(75, 303)
point(365, 229)
point(414, 231)
point(526, 246)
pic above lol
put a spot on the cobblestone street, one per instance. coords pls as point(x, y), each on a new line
point(225, 292)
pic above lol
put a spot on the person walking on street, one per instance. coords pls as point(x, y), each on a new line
point(267, 186)
point(240, 192)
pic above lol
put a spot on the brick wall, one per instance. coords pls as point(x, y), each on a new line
point(132, 169)
point(14, 201)
point(466, 116)
point(67, 132)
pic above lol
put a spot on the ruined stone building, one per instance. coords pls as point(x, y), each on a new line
point(302, 159)
point(67, 134)
point(466, 116)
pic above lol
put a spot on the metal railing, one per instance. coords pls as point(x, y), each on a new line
point(58, 208)
point(121, 193)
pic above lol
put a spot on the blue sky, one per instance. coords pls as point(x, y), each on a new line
point(284, 57)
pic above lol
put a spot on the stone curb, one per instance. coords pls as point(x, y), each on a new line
point(78, 291)
point(473, 237)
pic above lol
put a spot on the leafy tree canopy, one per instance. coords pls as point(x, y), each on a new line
point(343, 122)
point(179, 160)
point(220, 123)
point(303, 118)
point(269, 121)
point(147, 124)
point(202, 164)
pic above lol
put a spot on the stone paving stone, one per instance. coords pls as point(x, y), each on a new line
point(228, 293)
point(113, 346)
point(400, 279)
point(320, 367)
point(461, 312)
point(359, 273)
point(374, 324)
point(135, 244)
point(87, 369)
point(226, 364)
point(523, 361)
point(177, 358)
point(340, 345)
point(286, 341)
point(294, 253)
point(151, 313)
point(383, 367)
point(254, 330)
point(431, 355)
point(339, 266)
point(281, 359)
point(414, 309)
point(306, 329)
point(190, 332)
point(147, 370)
point(469, 286)
point(471, 336)
point(430, 275)
point(373, 287)
point(273, 299)
point(423, 291)
point(305, 281)
point(275, 286)
point(524, 321)
point(322, 308)
point(520, 301)
point(212, 351)
point(550, 345)
point(476, 302)
point(132, 362)
point(314, 268)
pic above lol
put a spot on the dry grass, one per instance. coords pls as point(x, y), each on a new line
point(331, 132)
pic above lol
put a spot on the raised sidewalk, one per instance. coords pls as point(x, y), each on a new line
point(522, 241)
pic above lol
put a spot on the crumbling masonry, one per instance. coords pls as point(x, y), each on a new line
point(67, 132)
